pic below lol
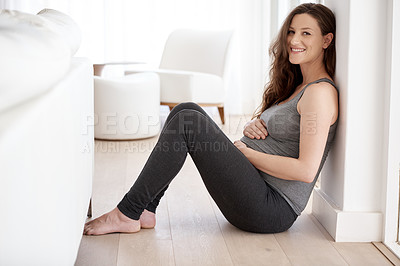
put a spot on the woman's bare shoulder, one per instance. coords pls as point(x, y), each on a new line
point(319, 97)
point(320, 91)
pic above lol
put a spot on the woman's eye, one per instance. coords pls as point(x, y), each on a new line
point(290, 32)
point(306, 33)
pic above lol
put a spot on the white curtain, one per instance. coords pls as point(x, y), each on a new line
point(136, 30)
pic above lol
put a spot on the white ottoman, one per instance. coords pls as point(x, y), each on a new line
point(127, 107)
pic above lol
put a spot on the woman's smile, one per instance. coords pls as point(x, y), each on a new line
point(297, 50)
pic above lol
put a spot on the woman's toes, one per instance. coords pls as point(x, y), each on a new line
point(111, 222)
point(88, 223)
point(86, 229)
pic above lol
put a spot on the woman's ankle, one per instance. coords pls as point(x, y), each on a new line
point(147, 219)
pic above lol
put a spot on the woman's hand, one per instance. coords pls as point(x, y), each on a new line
point(255, 129)
point(241, 146)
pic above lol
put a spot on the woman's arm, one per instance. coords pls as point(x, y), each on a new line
point(318, 109)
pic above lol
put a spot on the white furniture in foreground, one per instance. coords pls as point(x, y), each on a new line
point(46, 139)
point(192, 68)
point(46, 156)
point(127, 107)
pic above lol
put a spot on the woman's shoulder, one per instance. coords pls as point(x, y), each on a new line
point(321, 89)
point(322, 94)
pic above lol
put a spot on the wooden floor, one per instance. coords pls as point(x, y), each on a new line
point(192, 231)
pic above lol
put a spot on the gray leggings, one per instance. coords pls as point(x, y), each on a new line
point(236, 186)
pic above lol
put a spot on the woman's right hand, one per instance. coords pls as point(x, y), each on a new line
point(255, 129)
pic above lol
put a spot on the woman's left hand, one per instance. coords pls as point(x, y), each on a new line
point(240, 145)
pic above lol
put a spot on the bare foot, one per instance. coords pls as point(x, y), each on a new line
point(111, 222)
point(147, 219)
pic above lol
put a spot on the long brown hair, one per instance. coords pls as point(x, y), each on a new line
point(285, 76)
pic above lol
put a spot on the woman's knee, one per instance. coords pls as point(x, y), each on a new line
point(192, 114)
point(186, 105)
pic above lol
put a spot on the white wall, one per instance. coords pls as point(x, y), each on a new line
point(391, 156)
point(349, 201)
point(332, 174)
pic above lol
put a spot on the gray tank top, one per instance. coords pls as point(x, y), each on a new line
point(283, 126)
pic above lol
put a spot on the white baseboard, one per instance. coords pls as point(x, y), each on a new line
point(346, 226)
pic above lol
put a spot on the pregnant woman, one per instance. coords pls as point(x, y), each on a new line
point(262, 182)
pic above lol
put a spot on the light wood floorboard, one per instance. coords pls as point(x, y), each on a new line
point(304, 244)
point(197, 238)
point(387, 253)
point(190, 228)
point(361, 254)
point(98, 251)
point(249, 248)
point(136, 251)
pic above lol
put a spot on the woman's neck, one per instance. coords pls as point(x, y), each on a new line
point(313, 71)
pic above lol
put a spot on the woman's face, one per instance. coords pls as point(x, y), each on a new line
point(305, 41)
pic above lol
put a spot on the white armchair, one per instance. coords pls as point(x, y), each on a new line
point(192, 68)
